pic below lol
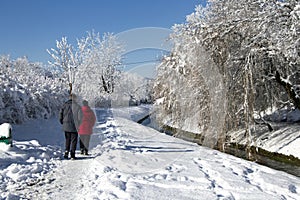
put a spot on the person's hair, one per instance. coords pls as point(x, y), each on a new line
point(85, 103)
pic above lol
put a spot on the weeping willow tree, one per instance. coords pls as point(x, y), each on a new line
point(252, 52)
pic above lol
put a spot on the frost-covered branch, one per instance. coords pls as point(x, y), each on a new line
point(66, 58)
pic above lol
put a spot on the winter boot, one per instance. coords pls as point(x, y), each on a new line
point(66, 154)
point(81, 151)
point(86, 152)
point(73, 156)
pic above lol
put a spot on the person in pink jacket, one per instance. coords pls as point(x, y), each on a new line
point(86, 127)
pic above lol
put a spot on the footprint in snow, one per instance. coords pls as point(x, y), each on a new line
point(292, 188)
point(176, 168)
point(108, 169)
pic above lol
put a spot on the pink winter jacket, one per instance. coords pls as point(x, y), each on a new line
point(88, 121)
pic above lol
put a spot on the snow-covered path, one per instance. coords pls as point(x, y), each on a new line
point(136, 162)
point(131, 161)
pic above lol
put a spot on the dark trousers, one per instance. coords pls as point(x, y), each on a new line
point(84, 142)
point(71, 142)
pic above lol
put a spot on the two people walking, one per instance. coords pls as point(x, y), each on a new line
point(76, 120)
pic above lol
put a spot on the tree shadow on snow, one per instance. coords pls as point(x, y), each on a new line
point(156, 149)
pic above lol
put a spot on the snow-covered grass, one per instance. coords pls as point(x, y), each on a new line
point(131, 161)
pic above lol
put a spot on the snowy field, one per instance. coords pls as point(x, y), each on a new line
point(131, 161)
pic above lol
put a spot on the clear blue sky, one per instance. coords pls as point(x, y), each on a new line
point(29, 27)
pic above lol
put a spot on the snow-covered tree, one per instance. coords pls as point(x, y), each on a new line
point(132, 89)
point(67, 58)
point(258, 39)
point(255, 47)
point(91, 67)
point(97, 75)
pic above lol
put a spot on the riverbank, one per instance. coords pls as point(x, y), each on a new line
point(276, 149)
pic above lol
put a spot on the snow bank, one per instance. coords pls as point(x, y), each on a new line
point(24, 165)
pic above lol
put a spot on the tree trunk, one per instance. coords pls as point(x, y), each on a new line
point(104, 84)
point(289, 89)
point(70, 85)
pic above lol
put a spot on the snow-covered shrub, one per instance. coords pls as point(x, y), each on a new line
point(28, 91)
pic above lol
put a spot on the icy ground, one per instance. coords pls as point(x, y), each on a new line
point(131, 161)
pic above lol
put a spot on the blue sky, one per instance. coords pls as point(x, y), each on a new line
point(29, 27)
